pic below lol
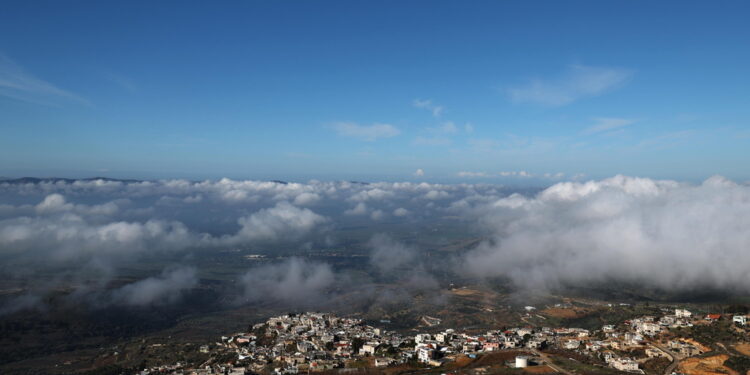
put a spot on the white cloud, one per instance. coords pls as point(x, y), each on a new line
point(472, 174)
point(436, 110)
point(387, 254)
point(56, 203)
point(436, 194)
point(306, 198)
point(165, 289)
point(658, 233)
point(554, 176)
point(366, 132)
point(283, 221)
point(400, 212)
point(605, 124)
point(374, 193)
point(515, 174)
point(69, 236)
point(295, 282)
point(578, 82)
point(359, 209)
point(419, 172)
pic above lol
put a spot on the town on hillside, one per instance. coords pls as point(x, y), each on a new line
point(325, 343)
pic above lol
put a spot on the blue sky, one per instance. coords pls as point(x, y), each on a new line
point(512, 92)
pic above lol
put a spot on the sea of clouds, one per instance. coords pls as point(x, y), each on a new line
point(666, 234)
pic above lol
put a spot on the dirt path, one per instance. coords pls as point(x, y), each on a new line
point(549, 363)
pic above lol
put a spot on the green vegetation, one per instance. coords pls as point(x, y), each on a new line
point(709, 334)
point(656, 366)
point(740, 364)
point(584, 368)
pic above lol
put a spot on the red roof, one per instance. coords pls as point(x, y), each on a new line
point(713, 316)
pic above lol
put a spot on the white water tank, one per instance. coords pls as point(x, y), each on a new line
point(522, 361)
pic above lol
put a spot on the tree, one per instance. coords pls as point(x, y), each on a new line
point(357, 344)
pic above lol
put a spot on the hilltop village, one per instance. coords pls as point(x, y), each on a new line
point(317, 342)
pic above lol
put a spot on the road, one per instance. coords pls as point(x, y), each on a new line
point(549, 363)
point(676, 358)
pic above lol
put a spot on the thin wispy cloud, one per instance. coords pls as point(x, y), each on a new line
point(515, 174)
point(122, 81)
point(17, 83)
point(470, 174)
point(432, 141)
point(367, 133)
point(436, 110)
point(606, 124)
point(577, 82)
point(521, 174)
point(447, 127)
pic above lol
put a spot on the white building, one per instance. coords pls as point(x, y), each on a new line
point(571, 344)
point(425, 354)
point(368, 349)
point(625, 364)
point(682, 313)
point(650, 329)
point(740, 319)
point(422, 337)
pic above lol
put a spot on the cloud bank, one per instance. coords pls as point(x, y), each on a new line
point(663, 234)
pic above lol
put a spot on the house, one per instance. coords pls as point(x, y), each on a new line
point(422, 337)
point(682, 313)
point(648, 328)
point(688, 350)
point(535, 343)
point(524, 331)
point(667, 320)
point(425, 354)
point(740, 319)
point(624, 364)
point(490, 346)
point(655, 353)
point(383, 362)
point(713, 317)
point(368, 349)
point(571, 344)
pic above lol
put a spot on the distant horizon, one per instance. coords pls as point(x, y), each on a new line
point(533, 181)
